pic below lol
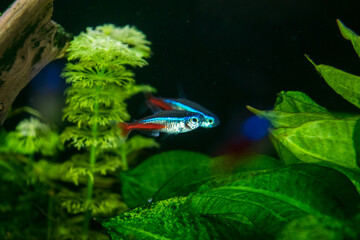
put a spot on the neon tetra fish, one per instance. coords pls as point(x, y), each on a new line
point(171, 122)
point(210, 119)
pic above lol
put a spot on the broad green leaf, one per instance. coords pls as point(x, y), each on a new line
point(321, 140)
point(294, 101)
point(316, 227)
point(356, 141)
point(193, 176)
point(352, 174)
point(345, 84)
point(289, 119)
point(140, 183)
point(163, 220)
point(285, 155)
point(348, 34)
point(268, 199)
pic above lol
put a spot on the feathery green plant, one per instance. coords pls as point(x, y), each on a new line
point(100, 83)
point(26, 180)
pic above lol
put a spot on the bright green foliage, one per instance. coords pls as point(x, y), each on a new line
point(168, 219)
point(315, 227)
point(185, 195)
point(195, 175)
point(111, 45)
point(255, 197)
point(321, 140)
point(348, 34)
point(294, 101)
point(103, 203)
point(290, 119)
point(26, 180)
point(238, 198)
point(260, 201)
point(162, 220)
point(139, 184)
point(100, 83)
point(313, 136)
point(345, 84)
point(32, 136)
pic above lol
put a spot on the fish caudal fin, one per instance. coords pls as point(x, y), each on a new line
point(124, 127)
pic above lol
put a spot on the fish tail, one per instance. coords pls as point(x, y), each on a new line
point(124, 127)
point(148, 95)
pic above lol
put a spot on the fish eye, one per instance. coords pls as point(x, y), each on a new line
point(194, 120)
point(211, 121)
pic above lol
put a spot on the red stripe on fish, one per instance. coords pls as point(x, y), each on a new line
point(158, 102)
point(126, 128)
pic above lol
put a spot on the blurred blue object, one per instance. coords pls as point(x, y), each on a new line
point(255, 128)
point(49, 80)
point(46, 91)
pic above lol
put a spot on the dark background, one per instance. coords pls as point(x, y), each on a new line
point(223, 54)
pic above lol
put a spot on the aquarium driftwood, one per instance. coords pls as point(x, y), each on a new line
point(29, 40)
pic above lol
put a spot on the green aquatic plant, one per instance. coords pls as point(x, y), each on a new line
point(311, 192)
point(26, 182)
point(100, 83)
point(74, 189)
point(32, 136)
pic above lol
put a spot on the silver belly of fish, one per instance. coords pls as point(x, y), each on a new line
point(175, 127)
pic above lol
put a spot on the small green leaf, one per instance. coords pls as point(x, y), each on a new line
point(269, 199)
point(289, 119)
point(345, 84)
point(329, 140)
point(139, 184)
point(294, 101)
point(348, 34)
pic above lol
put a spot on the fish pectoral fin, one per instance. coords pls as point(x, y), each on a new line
point(151, 133)
point(155, 134)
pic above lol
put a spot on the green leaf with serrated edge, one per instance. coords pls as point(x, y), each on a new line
point(348, 34)
point(289, 119)
point(271, 198)
point(345, 84)
point(321, 140)
point(193, 176)
point(166, 219)
point(139, 184)
point(294, 101)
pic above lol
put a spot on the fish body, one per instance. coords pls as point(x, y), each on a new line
point(210, 119)
point(171, 122)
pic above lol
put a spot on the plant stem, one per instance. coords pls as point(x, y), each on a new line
point(49, 214)
point(90, 185)
point(124, 159)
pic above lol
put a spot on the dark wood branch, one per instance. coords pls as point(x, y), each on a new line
point(29, 40)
